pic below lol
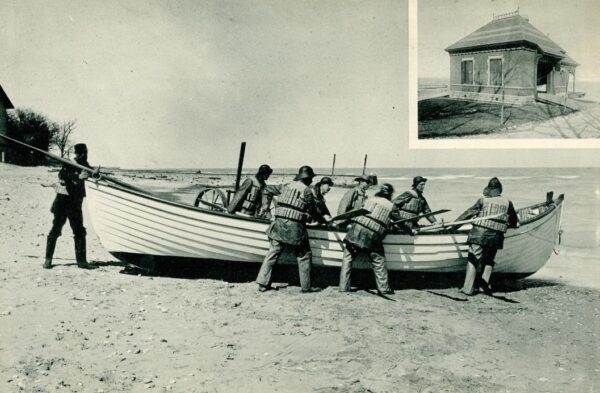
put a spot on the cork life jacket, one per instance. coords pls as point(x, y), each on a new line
point(291, 204)
point(251, 202)
point(413, 207)
point(378, 220)
point(492, 206)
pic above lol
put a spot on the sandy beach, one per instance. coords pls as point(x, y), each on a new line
point(117, 329)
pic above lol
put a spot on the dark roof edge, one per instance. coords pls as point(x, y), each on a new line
point(503, 46)
point(4, 98)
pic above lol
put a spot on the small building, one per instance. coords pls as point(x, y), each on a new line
point(5, 105)
point(509, 60)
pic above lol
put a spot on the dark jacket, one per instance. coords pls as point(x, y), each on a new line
point(320, 203)
point(352, 199)
point(408, 197)
point(293, 232)
point(485, 236)
point(68, 178)
point(236, 204)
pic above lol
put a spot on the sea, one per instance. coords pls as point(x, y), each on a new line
point(578, 262)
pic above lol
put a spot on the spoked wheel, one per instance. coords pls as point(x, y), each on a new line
point(211, 198)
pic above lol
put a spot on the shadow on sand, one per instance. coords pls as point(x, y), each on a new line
point(236, 272)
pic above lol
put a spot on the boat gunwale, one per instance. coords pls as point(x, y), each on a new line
point(552, 207)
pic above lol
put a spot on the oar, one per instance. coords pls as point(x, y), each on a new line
point(454, 223)
point(422, 216)
point(214, 205)
point(350, 214)
point(76, 165)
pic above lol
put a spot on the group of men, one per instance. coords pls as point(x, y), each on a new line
point(300, 202)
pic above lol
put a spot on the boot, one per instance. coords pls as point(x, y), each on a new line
point(484, 283)
point(50, 246)
point(467, 288)
point(80, 253)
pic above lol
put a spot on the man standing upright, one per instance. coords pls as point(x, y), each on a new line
point(248, 199)
point(412, 203)
point(366, 234)
point(295, 206)
point(67, 205)
point(487, 236)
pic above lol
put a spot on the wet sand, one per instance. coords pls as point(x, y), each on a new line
point(115, 329)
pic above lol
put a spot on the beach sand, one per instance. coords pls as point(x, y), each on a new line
point(114, 329)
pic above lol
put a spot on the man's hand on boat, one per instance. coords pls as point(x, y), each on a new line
point(95, 173)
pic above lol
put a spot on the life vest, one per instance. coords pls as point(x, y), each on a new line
point(412, 208)
point(251, 201)
point(291, 204)
point(493, 206)
point(378, 220)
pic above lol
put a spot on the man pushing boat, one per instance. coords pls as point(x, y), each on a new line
point(354, 198)
point(412, 204)
point(487, 236)
point(366, 234)
point(295, 206)
point(67, 206)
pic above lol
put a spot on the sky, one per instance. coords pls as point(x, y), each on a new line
point(573, 25)
point(180, 84)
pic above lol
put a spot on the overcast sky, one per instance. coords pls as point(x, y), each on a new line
point(182, 83)
point(574, 25)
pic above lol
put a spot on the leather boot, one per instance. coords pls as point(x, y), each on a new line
point(484, 283)
point(467, 288)
point(80, 253)
point(50, 246)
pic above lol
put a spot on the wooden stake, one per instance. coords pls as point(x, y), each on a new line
point(333, 166)
point(240, 165)
point(365, 165)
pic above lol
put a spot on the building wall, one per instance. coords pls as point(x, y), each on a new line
point(518, 69)
point(559, 81)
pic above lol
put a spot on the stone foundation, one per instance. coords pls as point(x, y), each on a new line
point(492, 98)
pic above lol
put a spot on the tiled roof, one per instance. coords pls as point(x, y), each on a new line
point(507, 30)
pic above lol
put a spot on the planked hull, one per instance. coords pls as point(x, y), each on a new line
point(132, 223)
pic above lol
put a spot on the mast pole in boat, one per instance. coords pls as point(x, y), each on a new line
point(240, 165)
point(365, 165)
point(333, 166)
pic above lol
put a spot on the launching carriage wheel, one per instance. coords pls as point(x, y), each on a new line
point(211, 198)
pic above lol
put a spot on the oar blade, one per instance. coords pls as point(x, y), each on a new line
point(454, 223)
point(350, 214)
point(422, 216)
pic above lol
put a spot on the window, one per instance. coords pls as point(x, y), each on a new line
point(466, 72)
point(495, 65)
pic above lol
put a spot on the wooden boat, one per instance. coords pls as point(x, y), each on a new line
point(135, 226)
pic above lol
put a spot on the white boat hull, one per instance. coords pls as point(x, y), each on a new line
point(128, 222)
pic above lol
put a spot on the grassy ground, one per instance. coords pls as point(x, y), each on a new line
point(442, 116)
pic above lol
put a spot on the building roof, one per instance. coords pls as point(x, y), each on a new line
point(5, 100)
point(569, 60)
point(506, 30)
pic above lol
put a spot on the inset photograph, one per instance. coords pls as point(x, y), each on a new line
point(492, 69)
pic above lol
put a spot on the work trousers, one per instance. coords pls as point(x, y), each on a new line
point(482, 255)
point(303, 256)
point(377, 260)
point(67, 211)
